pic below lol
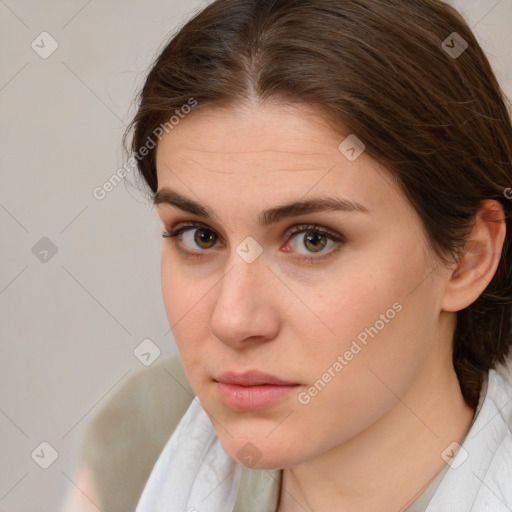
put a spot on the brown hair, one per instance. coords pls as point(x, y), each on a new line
point(379, 69)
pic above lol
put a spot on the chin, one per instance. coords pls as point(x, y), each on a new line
point(260, 453)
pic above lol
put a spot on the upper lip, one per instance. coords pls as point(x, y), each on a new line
point(251, 378)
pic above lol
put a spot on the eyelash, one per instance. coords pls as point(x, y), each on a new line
point(175, 233)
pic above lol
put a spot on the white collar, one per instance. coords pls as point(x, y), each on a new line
point(193, 473)
point(480, 475)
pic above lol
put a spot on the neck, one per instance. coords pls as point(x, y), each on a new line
point(368, 472)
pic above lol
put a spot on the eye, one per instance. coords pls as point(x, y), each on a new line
point(195, 240)
point(313, 240)
point(193, 236)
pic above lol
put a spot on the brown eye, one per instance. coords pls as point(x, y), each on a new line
point(309, 241)
point(193, 239)
point(204, 238)
point(314, 242)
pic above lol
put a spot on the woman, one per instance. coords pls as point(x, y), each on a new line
point(333, 181)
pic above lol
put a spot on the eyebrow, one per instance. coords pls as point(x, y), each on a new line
point(270, 216)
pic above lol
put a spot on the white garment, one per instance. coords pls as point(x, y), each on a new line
point(195, 474)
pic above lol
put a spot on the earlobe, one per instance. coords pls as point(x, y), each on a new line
point(477, 266)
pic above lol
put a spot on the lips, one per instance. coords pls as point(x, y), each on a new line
point(252, 378)
point(252, 390)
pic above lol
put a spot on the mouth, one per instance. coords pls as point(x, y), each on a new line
point(252, 390)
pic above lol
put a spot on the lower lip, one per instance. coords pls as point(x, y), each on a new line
point(253, 398)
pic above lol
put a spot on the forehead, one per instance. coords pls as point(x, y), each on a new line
point(265, 154)
point(249, 133)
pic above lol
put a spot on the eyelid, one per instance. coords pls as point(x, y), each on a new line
point(295, 229)
point(177, 229)
point(303, 228)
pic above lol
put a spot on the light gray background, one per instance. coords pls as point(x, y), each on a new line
point(69, 325)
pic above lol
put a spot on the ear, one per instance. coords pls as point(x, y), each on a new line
point(477, 266)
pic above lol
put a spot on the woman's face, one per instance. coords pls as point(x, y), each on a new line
point(348, 309)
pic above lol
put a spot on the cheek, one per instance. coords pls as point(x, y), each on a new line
point(378, 320)
point(359, 301)
point(187, 305)
point(181, 294)
point(181, 305)
point(171, 283)
point(372, 285)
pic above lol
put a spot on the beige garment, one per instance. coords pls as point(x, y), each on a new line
point(124, 439)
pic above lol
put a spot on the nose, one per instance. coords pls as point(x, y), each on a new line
point(246, 309)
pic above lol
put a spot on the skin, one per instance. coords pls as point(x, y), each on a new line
point(388, 415)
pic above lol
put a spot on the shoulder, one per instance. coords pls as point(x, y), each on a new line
point(137, 420)
point(155, 398)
